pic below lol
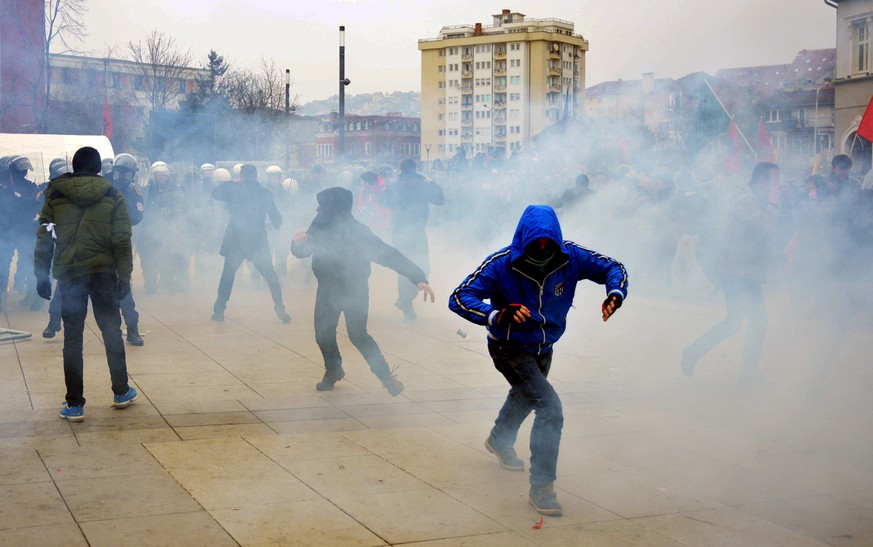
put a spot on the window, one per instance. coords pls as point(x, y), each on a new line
point(515, 79)
point(773, 116)
point(324, 150)
point(861, 48)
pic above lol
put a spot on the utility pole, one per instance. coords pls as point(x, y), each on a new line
point(287, 118)
point(343, 82)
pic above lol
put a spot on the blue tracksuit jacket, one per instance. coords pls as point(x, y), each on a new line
point(500, 282)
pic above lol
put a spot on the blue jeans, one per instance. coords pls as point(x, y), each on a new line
point(100, 288)
point(531, 391)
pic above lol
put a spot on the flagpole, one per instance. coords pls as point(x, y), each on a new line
point(729, 115)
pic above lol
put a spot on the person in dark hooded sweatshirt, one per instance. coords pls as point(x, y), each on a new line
point(84, 241)
point(522, 294)
point(342, 249)
point(250, 205)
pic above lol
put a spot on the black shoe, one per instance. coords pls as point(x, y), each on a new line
point(283, 315)
point(330, 378)
point(506, 456)
point(51, 329)
point(542, 497)
point(133, 337)
point(393, 385)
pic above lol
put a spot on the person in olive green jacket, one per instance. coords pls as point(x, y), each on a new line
point(84, 241)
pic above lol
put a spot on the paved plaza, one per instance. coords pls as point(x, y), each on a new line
point(229, 442)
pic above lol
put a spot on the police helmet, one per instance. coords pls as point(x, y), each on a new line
point(207, 167)
point(18, 165)
point(57, 168)
point(289, 185)
point(221, 175)
point(126, 161)
point(274, 169)
point(160, 168)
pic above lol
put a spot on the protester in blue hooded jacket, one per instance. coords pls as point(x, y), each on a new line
point(522, 294)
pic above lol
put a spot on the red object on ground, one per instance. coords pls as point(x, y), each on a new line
point(539, 524)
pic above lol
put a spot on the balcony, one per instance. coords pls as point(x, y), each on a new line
point(500, 53)
point(466, 136)
point(467, 106)
point(554, 88)
point(467, 58)
point(499, 106)
point(467, 122)
point(500, 87)
point(501, 120)
point(554, 54)
point(466, 74)
point(467, 90)
point(554, 71)
point(499, 71)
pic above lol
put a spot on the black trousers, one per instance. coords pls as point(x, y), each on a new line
point(100, 288)
point(264, 265)
point(331, 300)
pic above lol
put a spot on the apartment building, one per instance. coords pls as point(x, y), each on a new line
point(491, 88)
point(854, 77)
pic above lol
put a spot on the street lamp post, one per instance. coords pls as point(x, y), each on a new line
point(827, 81)
point(287, 119)
point(343, 82)
point(427, 160)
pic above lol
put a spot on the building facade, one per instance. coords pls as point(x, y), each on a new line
point(369, 139)
point(491, 88)
point(22, 36)
point(854, 77)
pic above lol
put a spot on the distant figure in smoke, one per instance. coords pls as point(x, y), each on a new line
point(246, 237)
point(84, 241)
point(23, 203)
point(410, 199)
point(342, 249)
point(851, 261)
point(369, 206)
point(575, 195)
point(745, 257)
point(522, 294)
point(164, 242)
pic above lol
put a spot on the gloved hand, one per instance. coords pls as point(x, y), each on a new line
point(610, 305)
point(512, 313)
point(122, 290)
point(44, 287)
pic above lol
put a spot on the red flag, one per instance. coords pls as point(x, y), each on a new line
point(732, 164)
point(107, 119)
point(763, 148)
point(865, 128)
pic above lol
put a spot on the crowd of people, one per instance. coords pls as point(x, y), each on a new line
point(684, 233)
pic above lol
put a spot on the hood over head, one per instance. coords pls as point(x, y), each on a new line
point(536, 222)
point(334, 205)
point(81, 189)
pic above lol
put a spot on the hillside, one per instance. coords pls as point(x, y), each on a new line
point(406, 102)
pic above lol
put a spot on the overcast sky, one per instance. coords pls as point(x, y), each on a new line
point(626, 37)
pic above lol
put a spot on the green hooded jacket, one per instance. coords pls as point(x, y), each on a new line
point(85, 228)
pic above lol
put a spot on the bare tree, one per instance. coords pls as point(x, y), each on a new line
point(162, 67)
point(251, 91)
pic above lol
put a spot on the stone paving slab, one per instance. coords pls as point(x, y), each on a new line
point(230, 444)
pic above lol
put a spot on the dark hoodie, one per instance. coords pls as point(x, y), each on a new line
point(506, 278)
point(342, 248)
point(84, 229)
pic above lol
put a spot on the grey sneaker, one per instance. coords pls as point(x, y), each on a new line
point(393, 385)
point(329, 379)
point(506, 456)
point(542, 497)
